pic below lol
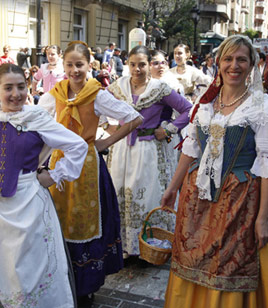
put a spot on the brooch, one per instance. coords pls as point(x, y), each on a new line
point(19, 129)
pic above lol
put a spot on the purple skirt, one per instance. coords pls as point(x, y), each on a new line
point(94, 260)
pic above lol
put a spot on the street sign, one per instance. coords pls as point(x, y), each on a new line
point(136, 37)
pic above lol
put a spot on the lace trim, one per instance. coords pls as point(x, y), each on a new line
point(154, 96)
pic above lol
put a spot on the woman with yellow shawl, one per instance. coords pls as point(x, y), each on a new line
point(88, 208)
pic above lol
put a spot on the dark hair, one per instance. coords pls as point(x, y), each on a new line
point(140, 49)
point(34, 67)
point(11, 68)
point(56, 47)
point(186, 48)
point(78, 47)
point(155, 53)
point(262, 56)
point(111, 44)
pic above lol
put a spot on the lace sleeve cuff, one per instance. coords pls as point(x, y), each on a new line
point(190, 148)
point(260, 166)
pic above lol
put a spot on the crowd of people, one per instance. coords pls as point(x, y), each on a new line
point(69, 217)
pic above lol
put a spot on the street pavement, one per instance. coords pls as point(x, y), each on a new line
point(138, 285)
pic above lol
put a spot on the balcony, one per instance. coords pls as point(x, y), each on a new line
point(260, 4)
point(259, 28)
point(260, 16)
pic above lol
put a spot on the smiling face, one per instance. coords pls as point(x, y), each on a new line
point(158, 66)
point(138, 66)
point(180, 55)
point(13, 92)
point(52, 55)
point(76, 67)
point(235, 67)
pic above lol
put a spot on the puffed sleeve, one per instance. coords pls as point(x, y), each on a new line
point(201, 78)
point(260, 165)
point(190, 144)
point(38, 75)
point(75, 150)
point(107, 105)
point(48, 102)
point(180, 104)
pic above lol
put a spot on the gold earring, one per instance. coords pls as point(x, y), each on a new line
point(249, 80)
point(218, 79)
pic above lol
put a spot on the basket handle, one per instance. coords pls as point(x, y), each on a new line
point(144, 235)
point(159, 208)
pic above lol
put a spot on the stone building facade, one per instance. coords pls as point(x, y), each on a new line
point(95, 22)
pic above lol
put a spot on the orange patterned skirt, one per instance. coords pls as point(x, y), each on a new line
point(215, 257)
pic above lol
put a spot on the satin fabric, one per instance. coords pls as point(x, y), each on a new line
point(182, 293)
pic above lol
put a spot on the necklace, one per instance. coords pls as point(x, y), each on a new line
point(136, 86)
point(52, 64)
point(221, 105)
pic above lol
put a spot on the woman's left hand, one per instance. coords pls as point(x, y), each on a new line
point(261, 231)
point(45, 179)
point(160, 133)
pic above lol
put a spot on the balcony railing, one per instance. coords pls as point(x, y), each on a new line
point(259, 28)
point(260, 4)
point(260, 16)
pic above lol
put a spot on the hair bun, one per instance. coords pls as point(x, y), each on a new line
point(77, 42)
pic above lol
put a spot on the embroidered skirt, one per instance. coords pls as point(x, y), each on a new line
point(214, 244)
point(92, 261)
point(140, 175)
point(33, 267)
point(186, 294)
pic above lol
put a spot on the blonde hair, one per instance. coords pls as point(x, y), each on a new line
point(232, 43)
point(96, 65)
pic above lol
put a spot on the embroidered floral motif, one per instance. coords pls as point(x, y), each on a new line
point(26, 300)
point(155, 95)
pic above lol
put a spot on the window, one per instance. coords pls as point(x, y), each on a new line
point(122, 34)
point(79, 26)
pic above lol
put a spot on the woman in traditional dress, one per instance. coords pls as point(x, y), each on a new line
point(139, 167)
point(159, 70)
point(219, 256)
point(189, 76)
point(33, 267)
point(88, 208)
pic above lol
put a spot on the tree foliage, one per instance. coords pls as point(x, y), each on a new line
point(251, 33)
point(172, 16)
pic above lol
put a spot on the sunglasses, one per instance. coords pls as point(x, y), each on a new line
point(156, 63)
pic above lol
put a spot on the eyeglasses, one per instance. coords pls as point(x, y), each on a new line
point(156, 63)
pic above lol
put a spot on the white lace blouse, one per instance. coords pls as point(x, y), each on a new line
point(246, 114)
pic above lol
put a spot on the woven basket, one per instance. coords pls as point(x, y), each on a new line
point(149, 253)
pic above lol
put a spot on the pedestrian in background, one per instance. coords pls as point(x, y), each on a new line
point(49, 73)
point(210, 68)
point(116, 63)
point(88, 208)
point(98, 55)
point(23, 57)
point(138, 163)
point(6, 58)
point(220, 252)
point(108, 53)
point(34, 268)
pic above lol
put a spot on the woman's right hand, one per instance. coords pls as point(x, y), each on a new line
point(169, 198)
point(44, 178)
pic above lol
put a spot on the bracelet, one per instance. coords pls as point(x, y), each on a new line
point(39, 170)
point(168, 135)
